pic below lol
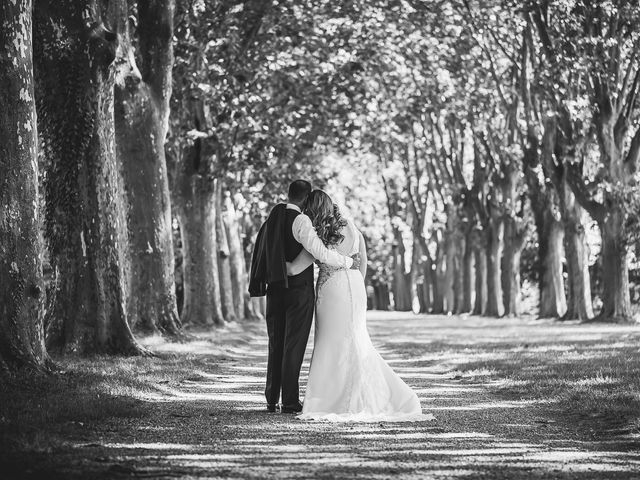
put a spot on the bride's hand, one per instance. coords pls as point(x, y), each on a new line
point(289, 268)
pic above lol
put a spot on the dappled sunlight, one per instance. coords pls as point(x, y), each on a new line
point(150, 446)
point(498, 403)
point(493, 405)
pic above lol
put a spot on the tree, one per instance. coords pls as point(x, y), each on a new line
point(593, 47)
point(142, 119)
point(84, 224)
point(22, 292)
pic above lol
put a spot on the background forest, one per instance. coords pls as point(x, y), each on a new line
point(487, 149)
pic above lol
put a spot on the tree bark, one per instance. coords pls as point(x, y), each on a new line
point(579, 305)
point(224, 268)
point(494, 242)
point(142, 113)
point(21, 246)
point(459, 280)
point(195, 204)
point(553, 301)
point(543, 198)
point(438, 274)
point(75, 81)
point(381, 295)
point(481, 270)
point(513, 245)
point(401, 279)
point(468, 274)
point(425, 288)
point(448, 292)
point(616, 300)
point(236, 255)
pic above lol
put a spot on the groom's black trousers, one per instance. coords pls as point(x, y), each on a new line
point(289, 317)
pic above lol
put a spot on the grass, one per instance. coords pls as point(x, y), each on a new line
point(594, 386)
point(513, 398)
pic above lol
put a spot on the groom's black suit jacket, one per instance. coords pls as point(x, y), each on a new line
point(275, 245)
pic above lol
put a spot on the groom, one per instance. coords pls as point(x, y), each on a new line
point(290, 299)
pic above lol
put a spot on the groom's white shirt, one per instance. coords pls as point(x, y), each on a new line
point(305, 234)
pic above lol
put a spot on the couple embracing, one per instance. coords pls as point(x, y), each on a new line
point(348, 380)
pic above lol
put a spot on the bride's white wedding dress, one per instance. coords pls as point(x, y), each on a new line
point(348, 379)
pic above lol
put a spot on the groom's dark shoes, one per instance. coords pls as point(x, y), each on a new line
point(292, 408)
point(272, 407)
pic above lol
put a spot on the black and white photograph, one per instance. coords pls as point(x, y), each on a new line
point(320, 239)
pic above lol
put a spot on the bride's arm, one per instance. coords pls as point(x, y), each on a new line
point(363, 256)
point(300, 264)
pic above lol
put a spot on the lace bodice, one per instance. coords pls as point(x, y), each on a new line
point(348, 246)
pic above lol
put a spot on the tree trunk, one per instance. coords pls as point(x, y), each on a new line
point(543, 199)
point(401, 279)
point(224, 269)
point(458, 284)
point(22, 292)
point(381, 294)
point(513, 244)
point(616, 300)
point(425, 264)
point(495, 305)
point(553, 302)
point(438, 284)
point(448, 292)
point(236, 255)
point(75, 81)
point(142, 112)
point(579, 305)
point(468, 273)
point(196, 208)
point(426, 296)
point(482, 294)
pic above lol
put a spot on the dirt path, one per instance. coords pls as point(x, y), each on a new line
point(200, 412)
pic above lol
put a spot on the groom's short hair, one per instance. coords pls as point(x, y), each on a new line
point(299, 190)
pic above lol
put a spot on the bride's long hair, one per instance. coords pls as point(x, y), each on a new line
point(326, 217)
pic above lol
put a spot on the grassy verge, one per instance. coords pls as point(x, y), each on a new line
point(592, 388)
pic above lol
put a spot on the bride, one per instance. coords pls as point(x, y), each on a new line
point(348, 379)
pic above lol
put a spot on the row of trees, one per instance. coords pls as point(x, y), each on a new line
point(488, 127)
point(506, 126)
point(110, 80)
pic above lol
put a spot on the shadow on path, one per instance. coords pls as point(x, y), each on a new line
point(197, 412)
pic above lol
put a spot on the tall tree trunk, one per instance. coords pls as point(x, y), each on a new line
point(458, 284)
point(236, 255)
point(75, 81)
point(539, 153)
point(195, 204)
point(579, 305)
point(494, 242)
point(439, 280)
point(449, 273)
point(553, 301)
point(468, 273)
point(513, 240)
point(253, 305)
point(616, 300)
point(481, 270)
point(424, 289)
point(426, 295)
point(142, 113)
point(224, 268)
point(401, 279)
point(381, 295)
point(513, 245)
point(22, 292)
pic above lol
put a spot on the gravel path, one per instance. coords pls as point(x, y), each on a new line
point(208, 421)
